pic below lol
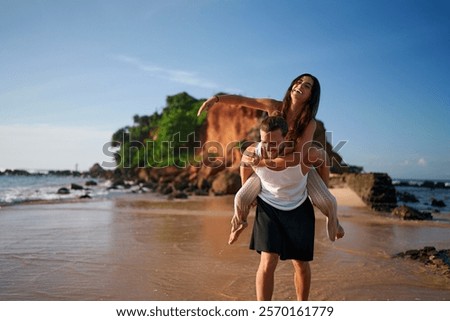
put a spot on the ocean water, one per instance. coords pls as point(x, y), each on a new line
point(20, 189)
point(424, 195)
point(16, 189)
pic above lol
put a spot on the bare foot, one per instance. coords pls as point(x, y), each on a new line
point(235, 234)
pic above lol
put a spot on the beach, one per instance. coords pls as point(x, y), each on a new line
point(144, 247)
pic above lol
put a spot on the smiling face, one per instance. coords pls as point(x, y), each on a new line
point(301, 90)
point(271, 143)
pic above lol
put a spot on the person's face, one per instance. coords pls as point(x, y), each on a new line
point(271, 142)
point(301, 90)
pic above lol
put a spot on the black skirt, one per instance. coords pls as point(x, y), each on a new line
point(290, 234)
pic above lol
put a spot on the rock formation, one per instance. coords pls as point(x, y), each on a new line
point(409, 213)
point(438, 260)
point(226, 130)
point(375, 189)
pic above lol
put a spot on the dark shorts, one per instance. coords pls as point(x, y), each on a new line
point(290, 234)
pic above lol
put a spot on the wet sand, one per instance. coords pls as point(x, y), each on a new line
point(142, 247)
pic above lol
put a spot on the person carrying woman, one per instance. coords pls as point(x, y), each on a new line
point(299, 108)
point(284, 222)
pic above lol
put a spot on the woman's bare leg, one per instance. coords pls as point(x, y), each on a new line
point(242, 204)
point(326, 203)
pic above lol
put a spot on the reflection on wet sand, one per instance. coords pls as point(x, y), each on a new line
point(148, 248)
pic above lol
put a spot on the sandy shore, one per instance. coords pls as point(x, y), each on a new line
point(142, 247)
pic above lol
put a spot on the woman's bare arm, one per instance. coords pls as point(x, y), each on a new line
point(247, 160)
point(297, 155)
point(265, 104)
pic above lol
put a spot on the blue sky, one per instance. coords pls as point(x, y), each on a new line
point(73, 72)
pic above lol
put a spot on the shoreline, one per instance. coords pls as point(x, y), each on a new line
point(345, 197)
point(174, 181)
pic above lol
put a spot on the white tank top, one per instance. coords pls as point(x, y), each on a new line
point(285, 189)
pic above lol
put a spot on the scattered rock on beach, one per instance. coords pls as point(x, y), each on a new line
point(76, 187)
point(63, 191)
point(437, 203)
point(119, 184)
point(428, 184)
point(177, 195)
point(85, 196)
point(91, 183)
point(439, 260)
point(408, 213)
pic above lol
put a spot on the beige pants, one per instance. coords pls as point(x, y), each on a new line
point(317, 191)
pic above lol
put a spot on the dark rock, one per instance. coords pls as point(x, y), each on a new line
point(16, 172)
point(407, 197)
point(203, 183)
point(428, 184)
point(63, 191)
point(91, 183)
point(437, 203)
point(408, 213)
point(180, 195)
point(61, 173)
point(375, 189)
point(96, 171)
point(76, 187)
point(201, 192)
point(181, 182)
point(431, 257)
point(439, 185)
point(149, 185)
point(85, 196)
point(164, 175)
point(165, 189)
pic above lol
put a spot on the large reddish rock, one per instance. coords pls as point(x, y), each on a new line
point(226, 182)
point(226, 129)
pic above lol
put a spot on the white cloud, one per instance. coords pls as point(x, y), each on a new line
point(422, 162)
point(51, 147)
point(179, 76)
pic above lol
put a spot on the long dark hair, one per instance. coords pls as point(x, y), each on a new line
point(308, 113)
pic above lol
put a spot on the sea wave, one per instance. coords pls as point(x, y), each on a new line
point(20, 189)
